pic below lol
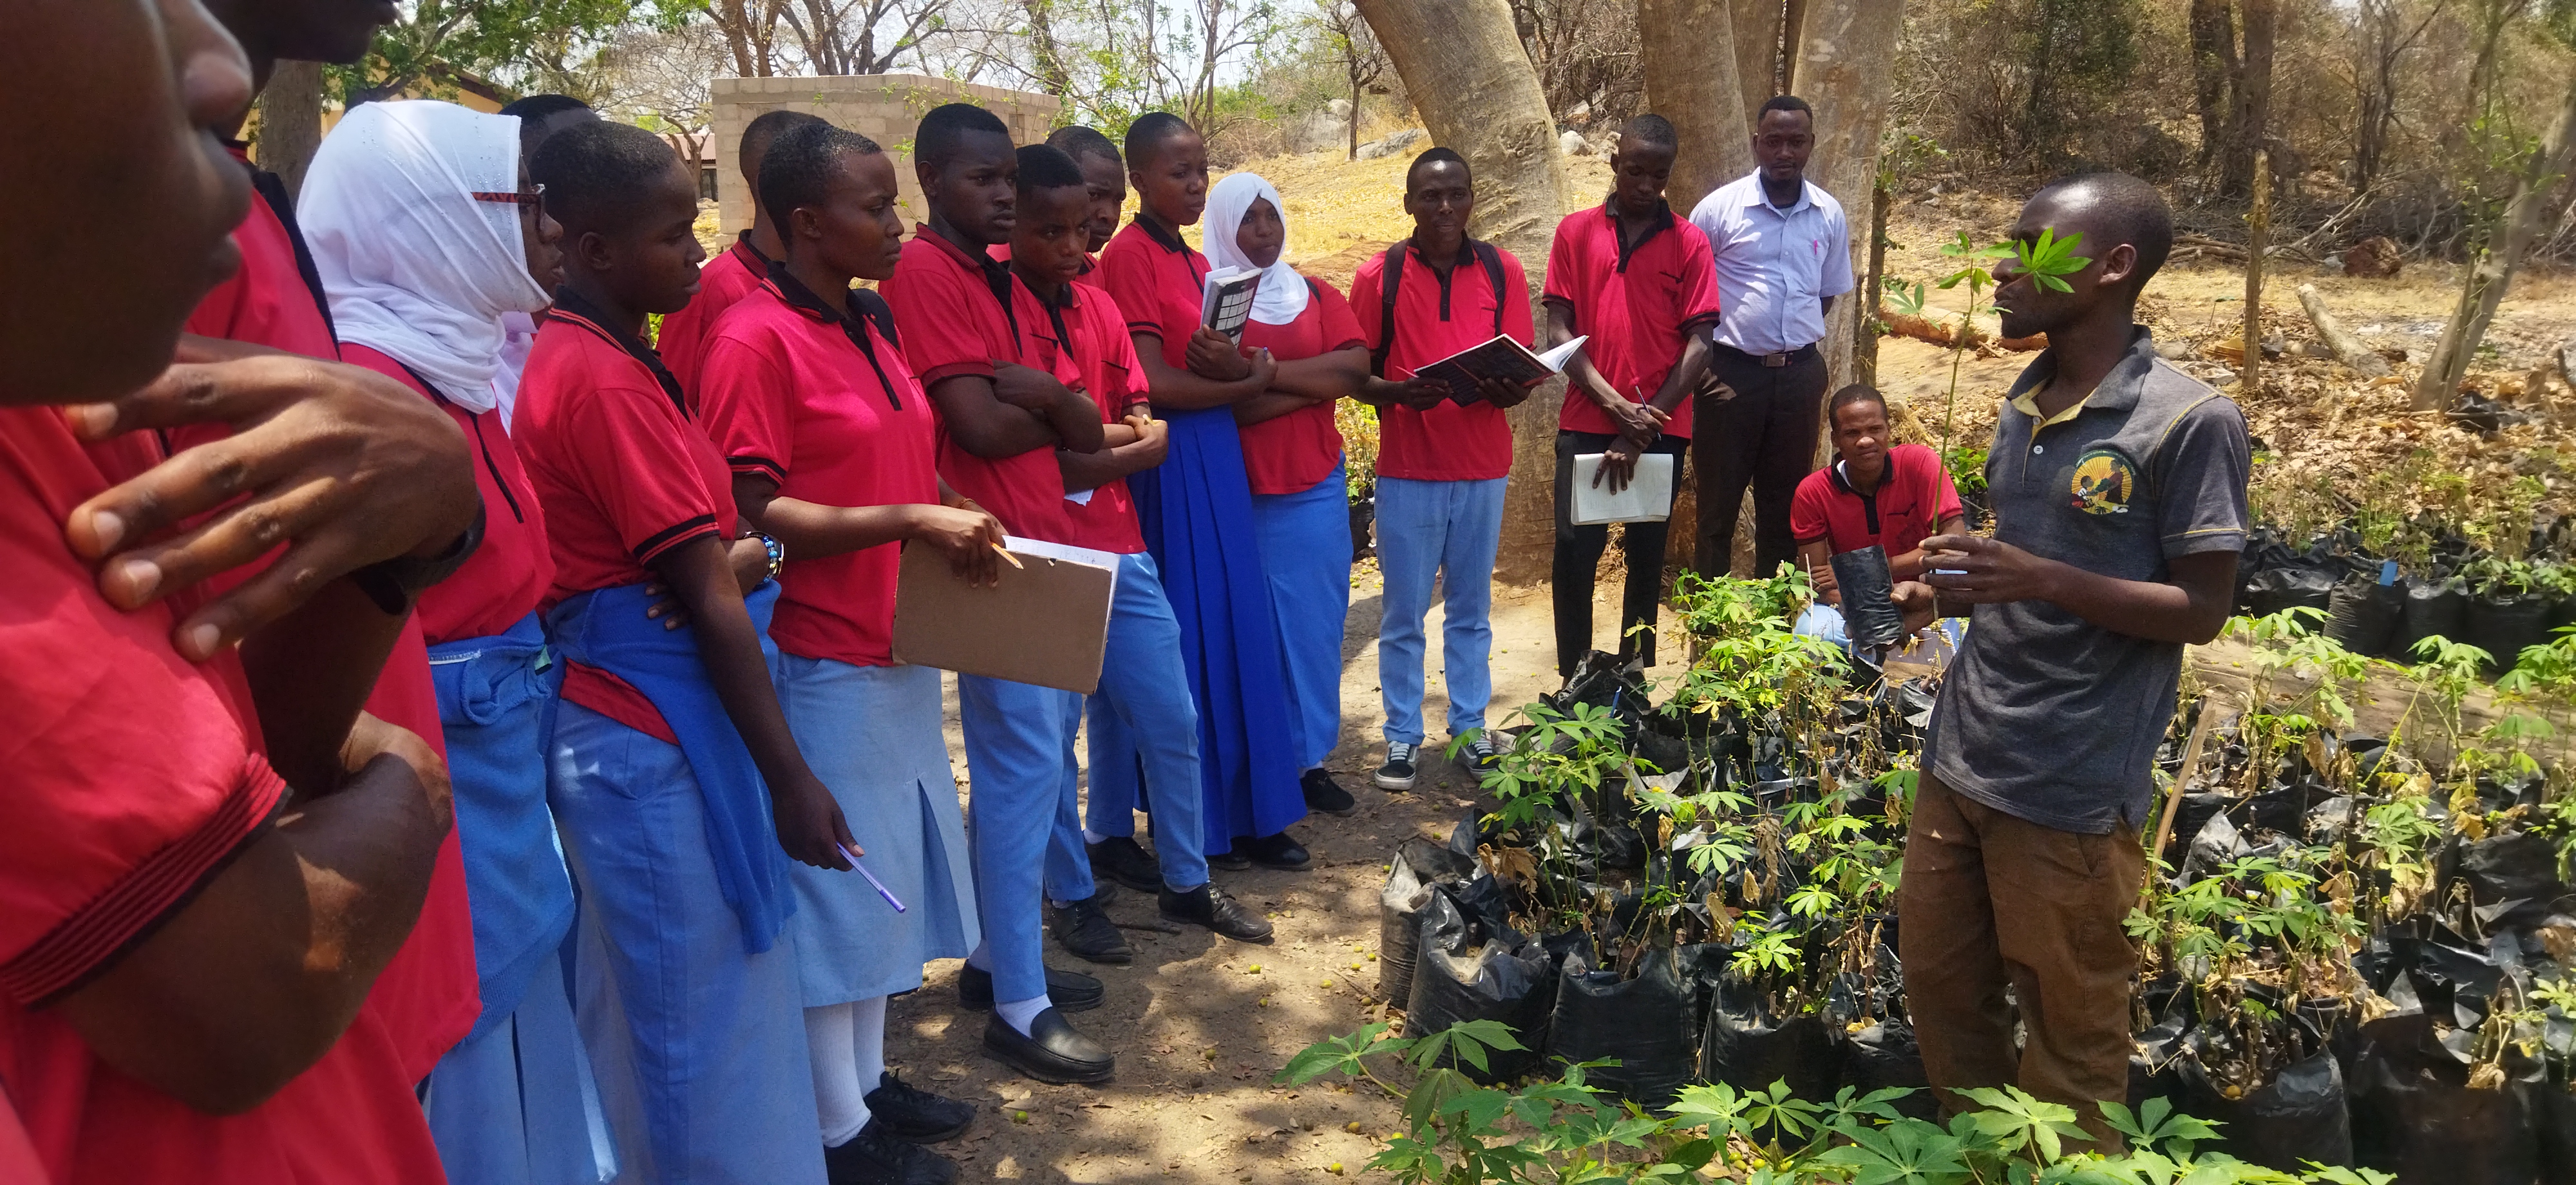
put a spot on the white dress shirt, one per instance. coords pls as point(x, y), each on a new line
point(1775, 265)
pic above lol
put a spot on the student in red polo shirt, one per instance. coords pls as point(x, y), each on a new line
point(1895, 496)
point(1104, 176)
point(675, 780)
point(1078, 333)
point(1639, 282)
point(830, 440)
point(155, 1024)
point(1001, 423)
point(736, 271)
point(1195, 509)
point(1440, 465)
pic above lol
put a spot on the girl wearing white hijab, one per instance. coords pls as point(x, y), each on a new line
point(1292, 450)
point(424, 232)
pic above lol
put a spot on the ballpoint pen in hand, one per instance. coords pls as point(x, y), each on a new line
point(882, 891)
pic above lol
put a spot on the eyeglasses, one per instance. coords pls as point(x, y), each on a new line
point(525, 199)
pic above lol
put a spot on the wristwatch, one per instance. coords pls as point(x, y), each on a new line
point(395, 584)
point(777, 553)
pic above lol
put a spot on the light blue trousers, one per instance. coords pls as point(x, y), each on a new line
point(1444, 532)
point(1015, 743)
point(699, 1047)
point(1306, 550)
point(1144, 728)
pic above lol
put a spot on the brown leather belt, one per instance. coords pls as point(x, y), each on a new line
point(1774, 361)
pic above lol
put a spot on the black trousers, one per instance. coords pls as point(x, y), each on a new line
point(1756, 426)
point(1577, 566)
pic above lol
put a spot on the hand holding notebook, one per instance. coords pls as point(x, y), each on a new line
point(1498, 358)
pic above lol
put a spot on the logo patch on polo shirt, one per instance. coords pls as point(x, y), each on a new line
point(2103, 482)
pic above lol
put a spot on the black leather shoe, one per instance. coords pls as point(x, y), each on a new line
point(875, 1157)
point(1326, 795)
point(1209, 906)
point(1086, 932)
point(1234, 859)
point(1051, 1052)
point(907, 1112)
point(1068, 990)
point(1281, 851)
point(1120, 858)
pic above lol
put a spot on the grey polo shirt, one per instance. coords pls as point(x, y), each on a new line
point(2046, 716)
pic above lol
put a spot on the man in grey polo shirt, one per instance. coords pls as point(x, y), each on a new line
point(1783, 253)
point(2119, 498)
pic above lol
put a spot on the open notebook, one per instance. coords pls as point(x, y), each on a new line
point(1498, 357)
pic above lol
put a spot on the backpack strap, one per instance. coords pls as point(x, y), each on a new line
point(1387, 282)
point(1493, 264)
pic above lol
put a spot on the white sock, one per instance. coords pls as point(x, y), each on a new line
point(1018, 1013)
point(867, 1041)
point(1091, 836)
point(840, 1101)
point(981, 958)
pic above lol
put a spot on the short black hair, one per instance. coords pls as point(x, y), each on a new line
point(1044, 166)
point(1785, 103)
point(1436, 156)
point(1853, 394)
point(1078, 141)
point(542, 106)
point(596, 174)
point(1149, 131)
point(1651, 130)
point(798, 168)
point(2131, 211)
point(763, 131)
point(946, 128)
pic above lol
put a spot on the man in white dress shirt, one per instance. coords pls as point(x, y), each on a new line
point(1783, 254)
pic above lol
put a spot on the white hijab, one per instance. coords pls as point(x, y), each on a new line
point(1281, 295)
point(415, 265)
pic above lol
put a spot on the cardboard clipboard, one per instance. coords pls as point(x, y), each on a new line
point(1046, 623)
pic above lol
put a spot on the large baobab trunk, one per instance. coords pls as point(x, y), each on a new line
point(290, 122)
point(1843, 57)
point(1465, 71)
point(2491, 272)
point(1688, 51)
point(1756, 26)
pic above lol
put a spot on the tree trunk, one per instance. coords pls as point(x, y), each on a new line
point(290, 122)
point(1463, 67)
point(1688, 53)
point(1843, 70)
point(1793, 33)
point(2250, 121)
point(1053, 77)
point(1756, 25)
point(1873, 284)
point(1354, 150)
point(2258, 229)
point(2491, 272)
point(2213, 66)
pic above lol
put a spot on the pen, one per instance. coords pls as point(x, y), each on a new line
point(1014, 561)
point(872, 878)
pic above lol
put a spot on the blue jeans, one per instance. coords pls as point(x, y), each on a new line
point(1306, 548)
point(1142, 723)
point(1448, 531)
point(1015, 739)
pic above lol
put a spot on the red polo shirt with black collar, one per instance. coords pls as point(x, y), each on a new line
point(722, 281)
point(1158, 280)
point(1081, 337)
point(1436, 316)
point(1638, 301)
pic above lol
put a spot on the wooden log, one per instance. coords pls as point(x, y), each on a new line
point(2348, 349)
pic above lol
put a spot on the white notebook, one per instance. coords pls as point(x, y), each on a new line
point(1648, 498)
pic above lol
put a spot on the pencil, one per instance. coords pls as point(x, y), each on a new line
point(1006, 554)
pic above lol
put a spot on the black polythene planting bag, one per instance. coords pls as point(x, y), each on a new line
point(2433, 609)
point(2503, 624)
point(2363, 614)
point(2414, 1113)
point(1470, 972)
point(1419, 865)
point(1870, 617)
point(1641, 1022)
point(1748, 1045)
point(2298, 1116)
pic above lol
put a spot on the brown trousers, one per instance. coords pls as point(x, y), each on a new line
point(1987, 900)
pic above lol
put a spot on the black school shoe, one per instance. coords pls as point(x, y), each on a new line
point(1071, 991)
point(1326, 795)
point(876, 1157)
point(910, 1113)
point(1281, 851)
point(1120, 858)
point(1086, 932)
point(1051, 1051)
point(1209, 906)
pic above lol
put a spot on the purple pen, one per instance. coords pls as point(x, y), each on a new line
point(872, 878)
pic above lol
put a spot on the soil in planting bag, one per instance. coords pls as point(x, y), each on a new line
point(2503, 625)
point(1642, 1023)
point(1419, 865)
point(2298, 1116)
point(2519, 871)
point(2362, 615)
point(1749, 1046)
point(2415, 1114)
point(2433, 609)
point(1870, 617)
point(1469, 973)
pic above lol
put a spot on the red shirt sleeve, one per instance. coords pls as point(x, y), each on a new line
point(1809, 520)
point(1118, 349)
point(1341, 329)
point(1565, 268)
point(1368, 292)
point(940, 337)
point(1697, 299)
point(742, 399)
point(1124, 274)
point(639, 470)
point(1516, 301)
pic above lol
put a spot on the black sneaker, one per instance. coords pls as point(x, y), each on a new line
point(909, 1113)
point(1120, 858)
point(1071, 991)
point(876, 1157)
point(1086, 932)
point(1397, 773)
point(1478, 755)
point(1209, 906)
point(1326, 795)
point(1281, 851)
